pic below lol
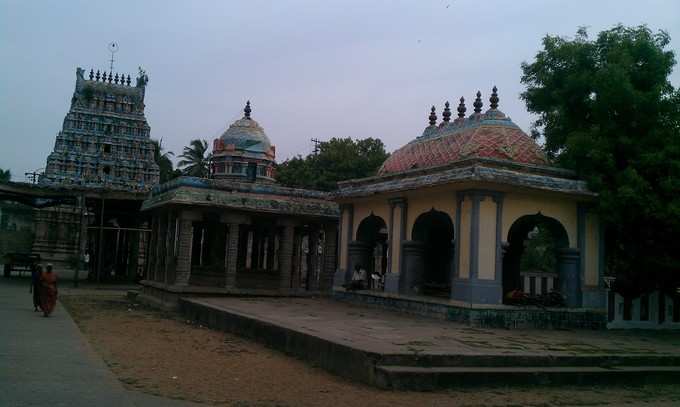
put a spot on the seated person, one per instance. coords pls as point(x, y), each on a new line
point(358, 279)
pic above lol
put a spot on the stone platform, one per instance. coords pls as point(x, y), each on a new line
point(394, 350)
point(479, 315)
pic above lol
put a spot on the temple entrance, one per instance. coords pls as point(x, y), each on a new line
point(537, 260)
point(372, 235)
point(434, 229)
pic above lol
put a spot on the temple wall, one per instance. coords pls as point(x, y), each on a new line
point(364, 208)
point(516, 205)
point(424, 200)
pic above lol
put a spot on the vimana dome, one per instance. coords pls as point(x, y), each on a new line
point(481, 135)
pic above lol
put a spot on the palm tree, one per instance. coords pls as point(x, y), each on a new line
point(5, 176)
point(195, 159)
point(163, 161)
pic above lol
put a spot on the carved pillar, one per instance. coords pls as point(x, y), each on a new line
point(329, 256)
point(183, 273)
point(286, 257)
point(313, 272)
point(231, 254)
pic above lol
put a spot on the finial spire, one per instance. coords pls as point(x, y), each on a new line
point(494, 98)
point(110, 77)
point(478, 103)
point(461, 108)
point(91, 74)
point(247, 111)
point(433, 116)
point(128, 80)
point(115, 79)
point(447, 112)
point(97, 76)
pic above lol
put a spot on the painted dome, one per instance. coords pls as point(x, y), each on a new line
point(244, 152)
point(245, 134)
point(481, 135)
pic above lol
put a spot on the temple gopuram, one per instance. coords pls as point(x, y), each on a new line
point(88, 199)
point(454, 214)
point(239, 232)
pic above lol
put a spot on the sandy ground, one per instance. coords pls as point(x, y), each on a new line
point(161, 354)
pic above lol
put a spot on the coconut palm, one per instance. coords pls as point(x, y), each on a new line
point(163, 160)
point(195, 159)
point(5, 176)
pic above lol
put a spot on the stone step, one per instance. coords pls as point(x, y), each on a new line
point(432, 378)
point(518, 360)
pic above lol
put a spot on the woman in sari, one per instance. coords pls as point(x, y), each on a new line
point(35, 287)
point(48, 292)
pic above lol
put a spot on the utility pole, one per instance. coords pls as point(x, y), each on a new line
point(316, 145)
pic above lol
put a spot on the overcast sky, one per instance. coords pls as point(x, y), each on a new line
point(312, 69)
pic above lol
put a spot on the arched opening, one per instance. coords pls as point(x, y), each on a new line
point(434, 229)
point(533, 256)
point(372, 235)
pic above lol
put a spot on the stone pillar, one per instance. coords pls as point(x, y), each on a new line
point(345, 237)
point(329, 257)
point(183, 267)
point(286, 257)
point(411, 279)
point(313, 272)
point(568, 261)
point(478, 258)
point(396, 235)
point(232, 255)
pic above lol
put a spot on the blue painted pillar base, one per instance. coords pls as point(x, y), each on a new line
point(594, 297)
point(477, 291)
point(411, 281)
point(339, 278)
point(568, 268)
point(392, 283)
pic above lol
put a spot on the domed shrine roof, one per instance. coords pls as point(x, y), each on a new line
point(246, 136)
point(481, 135)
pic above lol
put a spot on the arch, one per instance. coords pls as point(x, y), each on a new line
point(545, 253)
point(372, 236)
point(434, 229)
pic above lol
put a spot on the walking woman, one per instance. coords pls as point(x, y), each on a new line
point(48, 292)
point(35, 287)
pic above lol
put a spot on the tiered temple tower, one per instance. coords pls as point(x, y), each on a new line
point(104, 142)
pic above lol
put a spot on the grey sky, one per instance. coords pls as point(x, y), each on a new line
point(311, 68)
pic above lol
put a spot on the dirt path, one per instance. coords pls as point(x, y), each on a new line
point(159, 353)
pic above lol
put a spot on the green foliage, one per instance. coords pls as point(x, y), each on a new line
point(195, 159)
point(338, 159)
point(5, 176)
point(163, 160)
point(539, 251)
point(608, 111)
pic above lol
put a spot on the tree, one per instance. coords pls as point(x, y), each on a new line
point(195, 159)
point(608, 111)
point(163, 160)
point(5, 176)
point(337, 159)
